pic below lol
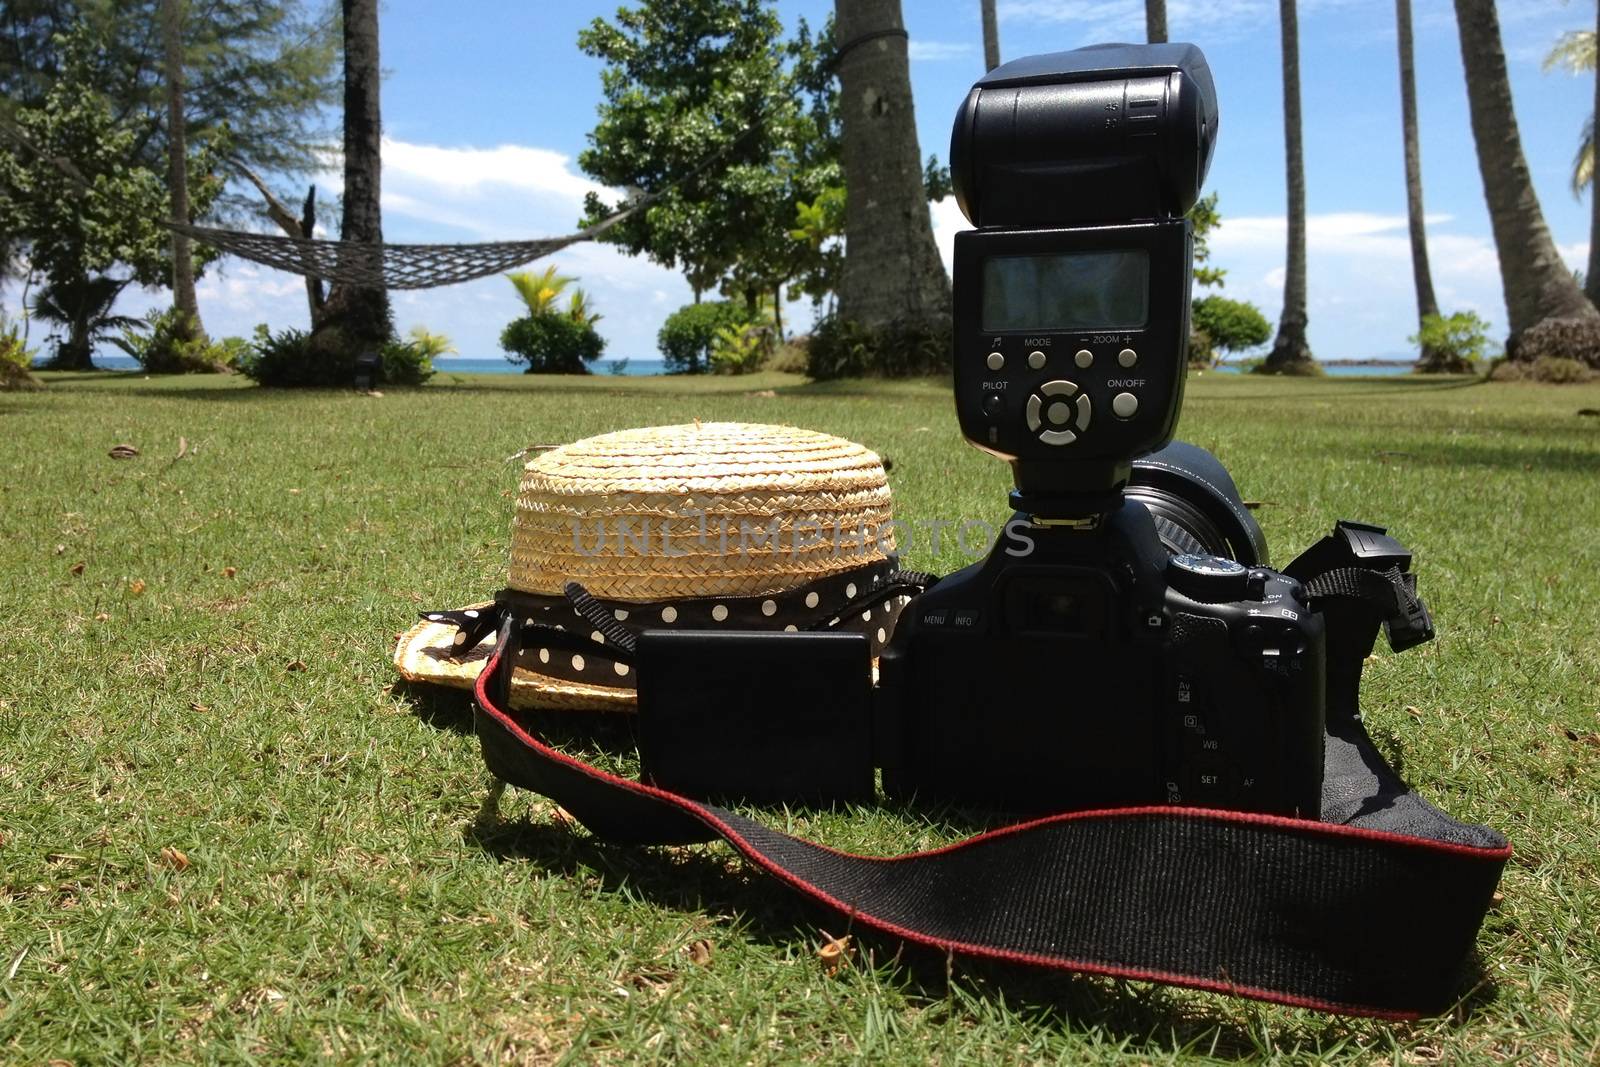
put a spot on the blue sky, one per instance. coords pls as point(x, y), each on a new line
point(486, 106)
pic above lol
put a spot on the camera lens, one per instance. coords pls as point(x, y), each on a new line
point(1196, 507)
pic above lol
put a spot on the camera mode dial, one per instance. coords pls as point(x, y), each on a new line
point(1207, 579)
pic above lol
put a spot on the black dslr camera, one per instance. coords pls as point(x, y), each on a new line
point(1124, 642)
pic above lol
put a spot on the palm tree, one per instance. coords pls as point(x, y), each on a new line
point(1433, 360)
point(357, 316)
point(991, 36)
point(581, 310)
point(1549, 314)
point(539, 291)
point(893, 278)
point(83, 308)
point(1576, 52)
point(1291, 352)
point(1155, 21)
point(183, 295)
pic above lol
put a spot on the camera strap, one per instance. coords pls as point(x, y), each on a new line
point(1371, 911)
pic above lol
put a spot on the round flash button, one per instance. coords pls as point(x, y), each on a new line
point(1124, 405)
point(1036, 360)
point(996, 361)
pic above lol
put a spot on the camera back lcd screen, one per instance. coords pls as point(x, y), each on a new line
point(1069, 291)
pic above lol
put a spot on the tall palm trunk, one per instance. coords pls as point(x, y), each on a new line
point(1591, 279)
point(893, 277)
point(183, 295)
point(1549, 314)
point(354, 316)
point(1155, 21)
point(1433, 360)
point(1291, 352)
point(991, 36)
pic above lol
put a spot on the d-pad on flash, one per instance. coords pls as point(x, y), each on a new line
point(1058, 412)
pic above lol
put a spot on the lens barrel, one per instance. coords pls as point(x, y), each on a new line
point(1196, 506)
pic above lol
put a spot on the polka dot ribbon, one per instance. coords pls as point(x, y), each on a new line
point(582, 638)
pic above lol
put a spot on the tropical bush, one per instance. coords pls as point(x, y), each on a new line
point(689, 336)
point(552, 342)
point(1220, 324)
point(16, 358)
point(291, 360)
point(161, 345)
point(844, 349)
point(1452, 343)
point(1553, 370)
point(548, 339)
point(741, 349)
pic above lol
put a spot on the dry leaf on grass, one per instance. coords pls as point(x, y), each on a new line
point(699, 952)
point(101, 616)
point(295, 665)
point(183, 449)
point(229, 572)
point(136, 587)
point(175, 858)
point(60, 549)
point(76, 568)
point(197, 706)
point(835, 953)
point(123, 451)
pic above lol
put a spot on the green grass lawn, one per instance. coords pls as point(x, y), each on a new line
point(195, 657)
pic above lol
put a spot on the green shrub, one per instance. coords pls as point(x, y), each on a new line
point(291, 360)
point(792, 356)
point(405, 363)
point(1451, 344)
point(843, 349)
point(552, 343)
point(162, 345)
point(1553, 370)
point(433, 345)
point(689, 336)
point(16, 358)
point(1218, 323)
point(12, 348)
point(741, 349)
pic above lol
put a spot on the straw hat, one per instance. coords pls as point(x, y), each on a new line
point(703, 526)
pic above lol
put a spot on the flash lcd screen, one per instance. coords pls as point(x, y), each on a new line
point(1071, 291)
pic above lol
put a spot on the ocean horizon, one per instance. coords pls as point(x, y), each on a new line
point(639, 368)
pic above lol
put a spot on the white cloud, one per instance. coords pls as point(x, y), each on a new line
point(934, 51)
point(483, 171)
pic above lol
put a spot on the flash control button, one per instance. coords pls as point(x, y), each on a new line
point(1059, 413)
point(996, 361)
point(1084, 410)
point(1125, 405)
point(1036, 360)
point(1084, 358)
point(1127, 357)
point(1058, 437)
point(1034, 403)
point(1059, 388)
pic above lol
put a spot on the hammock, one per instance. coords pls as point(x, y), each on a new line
point(391, 266)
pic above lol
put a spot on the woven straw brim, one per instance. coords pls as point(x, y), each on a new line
point(425, 653)
point(714, 509)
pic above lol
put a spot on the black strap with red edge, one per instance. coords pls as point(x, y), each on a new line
point(1371, 911)
point(1333, 917)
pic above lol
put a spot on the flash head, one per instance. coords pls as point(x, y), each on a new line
point(1108, 133)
